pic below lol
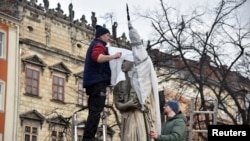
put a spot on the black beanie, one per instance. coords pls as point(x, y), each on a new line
point(99, 31)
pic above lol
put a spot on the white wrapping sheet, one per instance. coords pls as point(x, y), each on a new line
point(117, 74)
point(144, 79)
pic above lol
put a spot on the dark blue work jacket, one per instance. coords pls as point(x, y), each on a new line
point(95, 72)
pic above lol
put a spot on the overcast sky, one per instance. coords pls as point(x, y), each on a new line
point(118, 8)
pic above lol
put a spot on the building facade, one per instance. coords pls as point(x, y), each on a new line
point(9, 62)
point(41, 74)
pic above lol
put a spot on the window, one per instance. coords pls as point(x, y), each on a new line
point(31, 121)
point(2, 45)
point(30, 133)
point(1, 96)
point(82, 96)
point(56, 136)
point(58, 88)
point(32, 81)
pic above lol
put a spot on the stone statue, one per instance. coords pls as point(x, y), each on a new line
point(135, 123)
point(114, 28)
point(71, 12)
point(122, 91)
point(83, 19)
point(93, 19)
point(59, 11)
point(46, 4)
point(33, 2)
point(145, 83)
point(124, 37)
point(58, 8)
point(48, 33)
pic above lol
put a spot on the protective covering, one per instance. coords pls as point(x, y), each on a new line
point(145, 79)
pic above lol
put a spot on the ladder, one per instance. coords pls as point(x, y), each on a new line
point(193, 112)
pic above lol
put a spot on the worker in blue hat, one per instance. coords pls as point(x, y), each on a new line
point(175, 127)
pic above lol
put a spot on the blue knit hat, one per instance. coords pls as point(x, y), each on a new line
point(174, 105)
point(99, 31)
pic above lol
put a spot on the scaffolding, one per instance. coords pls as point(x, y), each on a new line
point(193, 112)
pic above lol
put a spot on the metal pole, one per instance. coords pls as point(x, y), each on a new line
point(215, 111)
point(192, 112)
point(104, 132)
point(191, 120)
point(73, 128)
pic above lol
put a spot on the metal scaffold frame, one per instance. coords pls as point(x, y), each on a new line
point(193, 112)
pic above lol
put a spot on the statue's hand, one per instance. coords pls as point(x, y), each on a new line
point(133, 103)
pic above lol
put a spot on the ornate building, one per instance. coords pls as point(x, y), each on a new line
point(44, 98)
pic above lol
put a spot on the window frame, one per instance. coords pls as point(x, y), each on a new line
point(2, 45)
point(57, 137)
point(82, 98)
point(32, 79)
point(2, 95)
point(56, 86)
point(30, 134)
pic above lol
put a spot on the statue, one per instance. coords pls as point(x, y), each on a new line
point(46, 4)
point(71, 12)
point(145, 84)
point(59, 11)
point(58, 8)
point(124, 38)
point(33, 2)
point(114, 32)
point(136, 92)
point(83, 20)
point(93, 19)
point(133, 122)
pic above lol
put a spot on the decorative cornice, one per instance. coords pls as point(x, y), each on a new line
point(34, 60)
point(61, 68)
point(32, 115)
point(9, 20)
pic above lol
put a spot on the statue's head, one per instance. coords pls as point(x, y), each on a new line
point(127, 65)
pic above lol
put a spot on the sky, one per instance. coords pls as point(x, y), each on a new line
point(118, 9)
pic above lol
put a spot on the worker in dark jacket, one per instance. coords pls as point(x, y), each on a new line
point(96, 78)
point(174, 129)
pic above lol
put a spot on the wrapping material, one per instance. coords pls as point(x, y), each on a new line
point(143, 76)
point(117, 74)
point(145, 79)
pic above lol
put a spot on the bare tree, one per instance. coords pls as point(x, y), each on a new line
point(204, 51)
